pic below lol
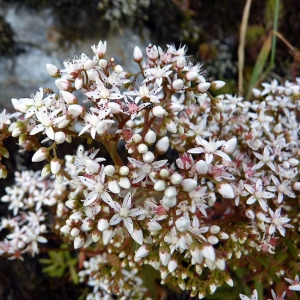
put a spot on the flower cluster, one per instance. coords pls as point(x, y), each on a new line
point(191, 184)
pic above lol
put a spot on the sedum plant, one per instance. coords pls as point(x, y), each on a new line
point(159, 171)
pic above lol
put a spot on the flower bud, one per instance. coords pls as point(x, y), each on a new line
point(150, 137)
point(175, 107)
point(181, 62)
point(68, 97)
point(168, 202)
point(189, 184)
point(208, 252)
point(142, 252)
point(162, 145)
point(75, 110)
point(109, 170)
point(101, 127)
point(201, 167)
point(230, 145)
point(203, 87)
point(118, 69)
point(191, 75)
point(170, 191)
point(114, 187)
point(40, 155)
point(159, 185)
point(164, 256)
point(53, 70)
point(46, 171)
point(137, 54)
point(102, 225)
point(217, 84)
point(78, 242)
point(63, 84)
point(213, 240)
point(137, 235)
point(183, 224)
point(142, 148)
point(176, 178)
point(148, 157)
point(55, 165)
point(177, 84)
point(124, 171)
point(158, 111)
point(171, 127)
point(59, 137)
point(172, 265)
point(124, 183)
point(226, 190)
point(136, 138)
point(102, 63)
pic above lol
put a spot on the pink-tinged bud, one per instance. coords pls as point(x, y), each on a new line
point(203, 87)
point(59, 137)
point(53, 70)
point(217, 84)
point(78, 242)
point(107, 235)
point(201, 167)
point(208, 252)
point(114, 187)
point(171, 127)
point(177, 84)
point(103, 224)
point(55, 165)
point(226, 190)
point(40, 155)
point(191, 75)
point(176, 178)
point(172, 265)
point(148, 157)
point(230, 145)
point(63, 84)
point(65, 229)
point(160, 185)
point(162, 145)
point(46, 171)
point(142, 252)
point(68, 97)
point(158, 111)
point(92, 166)
point(183, 224)
point(137, 235)
point(189, 184)
point(164, 256)
point(137, 54)
point(175, 107)
point(150, 137)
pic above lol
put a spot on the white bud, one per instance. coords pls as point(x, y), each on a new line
point(78, 83)
point(230, 145)
point(46, 171)
point(62, 84)
point(201, 167)
point(114, 107)
point(137, 235)
point(214, 229)
point(183, 224)
point(162, 145)
point(107, 235)
point(150, 137)
point(148, 157)
point(164, 173)
point(40, 155)
point(164, 257)
point(213, 240)
point(159, 185)
point(142, 252)
point(172, 265)
point(256, 92)
point(250, 214)
point(102, 225)
point(136, 138)
point(65, 229)
point(68, 97)
point(109, 170)
point(74, 232)
point(208, 252)
point(142, 148)
point(59, 137)
point(158, 111)
point(102, 63)
point(217, 84)
point(55, 165)
point(75, 110)
point(177, 84)
point(203, 87)
point(52, 70)
point(226, 190)
point(176, 178)
point(137, 54)
point(101, 127)
point(118, 69)
point(78, 242)
point(88, 64)
point(168, 202)
point(171, 127)
point(293, 162)
point(181, 62)
point(175, 107)
point(124, 183)
point(87, 225)
point(191, 75)
point(189, 184)
point(278, 128)
point(170, 191)
point(124, 171)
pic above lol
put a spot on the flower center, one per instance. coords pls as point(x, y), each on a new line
point(124, 212)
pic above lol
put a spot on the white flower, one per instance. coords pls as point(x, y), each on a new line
point(125, 213)
point(254, 296)
point(278, 222)
point(210, 149)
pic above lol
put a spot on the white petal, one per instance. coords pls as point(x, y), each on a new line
point(129, 224)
